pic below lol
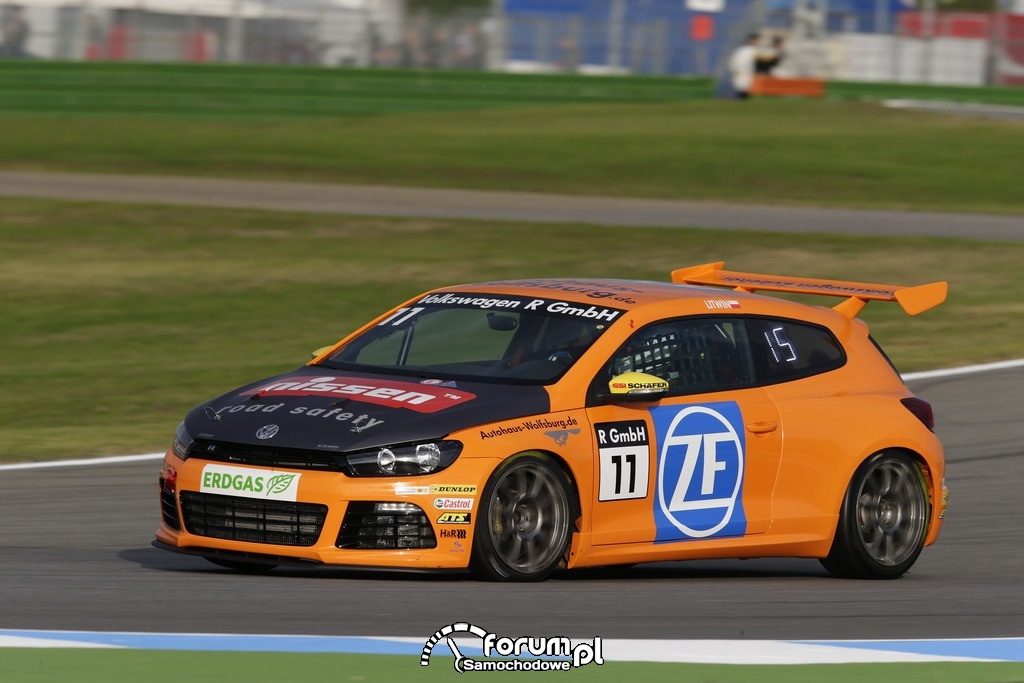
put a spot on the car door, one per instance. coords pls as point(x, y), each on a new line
point(699, 462)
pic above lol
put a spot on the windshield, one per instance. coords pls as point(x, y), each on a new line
point(479, 337)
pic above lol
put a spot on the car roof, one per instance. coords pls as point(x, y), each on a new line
point(619, 292)
point(711, 283)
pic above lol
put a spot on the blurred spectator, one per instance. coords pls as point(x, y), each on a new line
point(569, 59)
point(741, 66)
point(440, 49)
point(414, 50)
point(469, 47)
point(768, 58)
point(95, 38)
point(13, 33)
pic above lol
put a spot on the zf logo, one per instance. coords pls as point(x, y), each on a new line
point(701, 458)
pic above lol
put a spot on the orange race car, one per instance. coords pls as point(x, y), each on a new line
point(515, 427)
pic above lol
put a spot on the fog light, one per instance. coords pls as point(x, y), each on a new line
point(169, 479)
point(395, 507)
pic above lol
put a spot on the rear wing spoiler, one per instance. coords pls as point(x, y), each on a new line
point(913, 300)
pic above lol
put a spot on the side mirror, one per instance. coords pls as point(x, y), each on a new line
point(501, 323)
point(321, 351)
point(636, 387)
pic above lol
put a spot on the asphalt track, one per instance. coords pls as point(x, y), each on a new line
point(375, 200)
point(76, 556)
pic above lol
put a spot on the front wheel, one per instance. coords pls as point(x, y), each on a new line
point(883, 521)
point(525, 522)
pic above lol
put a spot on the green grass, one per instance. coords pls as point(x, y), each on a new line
point(786, 152)
point(158, 666)
point(249, 91)
point(119, 318)
point(851, 90)
point(261, 91)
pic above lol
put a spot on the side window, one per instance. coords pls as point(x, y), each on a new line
point(694, 355)
point(786, 349)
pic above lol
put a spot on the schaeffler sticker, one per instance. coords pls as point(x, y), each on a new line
point(250, 483)
point(701, 460)
point(512, 654)
point(422, 398)
point(624, 459)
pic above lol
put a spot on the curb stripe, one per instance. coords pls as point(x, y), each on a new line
point(677, 651)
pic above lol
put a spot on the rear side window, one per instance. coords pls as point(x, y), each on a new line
point(785, 349)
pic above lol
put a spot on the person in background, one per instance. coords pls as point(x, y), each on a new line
point(741, 66)
point(769, 58)
point(13, 33)
point(95, 38)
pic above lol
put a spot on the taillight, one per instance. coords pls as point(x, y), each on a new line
point(921, 409)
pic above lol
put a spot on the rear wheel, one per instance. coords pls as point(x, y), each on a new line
point(883, 521)
point(525, 521)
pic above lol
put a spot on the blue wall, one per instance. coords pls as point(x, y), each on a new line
point(683, 54)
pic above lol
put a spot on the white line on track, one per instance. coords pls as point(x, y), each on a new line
point(117, 459)
point(909, 377)
point(965, 370)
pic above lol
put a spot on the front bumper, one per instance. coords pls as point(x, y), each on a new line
point(334, 520)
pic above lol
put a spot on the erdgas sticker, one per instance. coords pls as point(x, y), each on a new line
point(701, 461)
point(250, 483)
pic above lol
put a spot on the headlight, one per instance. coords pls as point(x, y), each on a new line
point(182, 442)
point(403, 461)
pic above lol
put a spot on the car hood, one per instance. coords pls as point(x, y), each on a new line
point(310, 408)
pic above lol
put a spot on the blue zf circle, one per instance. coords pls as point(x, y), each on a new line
point(701, 461)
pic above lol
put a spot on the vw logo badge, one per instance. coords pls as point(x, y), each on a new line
point(267, 431)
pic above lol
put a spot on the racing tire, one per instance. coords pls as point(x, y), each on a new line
point(883, 520)
point(524, 527)
point(243, 567)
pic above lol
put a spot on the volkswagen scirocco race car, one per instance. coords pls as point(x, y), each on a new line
point(516, 427)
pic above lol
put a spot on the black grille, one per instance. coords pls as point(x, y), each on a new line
point(364, 528)
point(169, 508)
point(262, 456)
point(252, 519)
